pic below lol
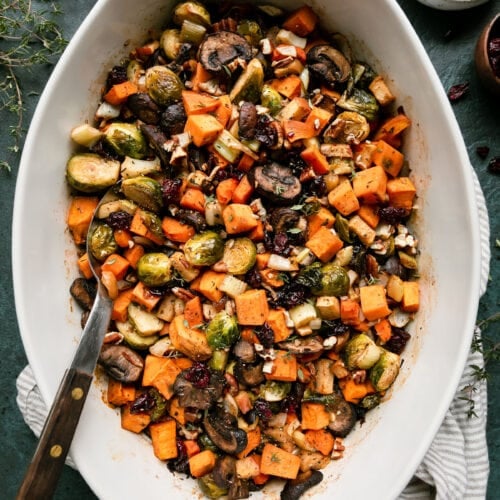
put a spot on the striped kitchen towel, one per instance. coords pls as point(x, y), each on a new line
point(456, 465)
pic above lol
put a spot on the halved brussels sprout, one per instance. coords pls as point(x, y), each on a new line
point(106, 209)
point(171, 42)
point(239, 255)
point(361, 352)
point(126, 140)
point(361, 102)
point(222, 331)
point(163, 85)
point(153, 269)
point(204, 249)
point(209, 487)
point(251, 31)
point(273, 391)
point(385, 370)
point(144, 191)
point(271, 99)
point(350, 127)
point(90, 173)
point(102, 242)
point(334, 281)
point(191, 11)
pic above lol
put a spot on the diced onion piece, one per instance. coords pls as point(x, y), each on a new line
point(285, 36)
point(86, 135)
point(279, 263)
point(107, 111)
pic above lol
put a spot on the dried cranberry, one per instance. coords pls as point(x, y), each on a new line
point(264, 132)
point(290, 295)
point(181, 462)
point(458, 91)
point(118, 74)
point(263, 409)
point(119, 220)
point(392, 215)
point(254, 278)
point(265, 334)
point(198, 375)
point(290, 404)
point(296, 163)
point(494, 165)
point(332, 327)
point(316, 187)
point(171, 189)
point(398, 340)
point(143, 403)
point(482, 151)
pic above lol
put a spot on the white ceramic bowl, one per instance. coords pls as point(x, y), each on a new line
point(383, 454)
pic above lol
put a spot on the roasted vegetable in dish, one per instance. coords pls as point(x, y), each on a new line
point(259, 251)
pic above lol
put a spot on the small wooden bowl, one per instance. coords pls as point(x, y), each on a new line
point(484, 67)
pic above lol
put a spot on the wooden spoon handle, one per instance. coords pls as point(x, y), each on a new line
point(45, 468)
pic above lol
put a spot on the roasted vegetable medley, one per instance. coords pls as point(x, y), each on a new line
point(257, 246)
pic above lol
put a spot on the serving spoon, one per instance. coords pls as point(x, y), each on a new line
point(43, 473)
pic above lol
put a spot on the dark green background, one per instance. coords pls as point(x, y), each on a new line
point(449, 38)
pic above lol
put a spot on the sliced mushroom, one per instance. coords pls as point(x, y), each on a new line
point(306, 345)
point(173, 119)
point(343, 418)
point(121, 363)
point(200, 398)
point(192, 218)
point(275, 182)
point(144, 108)
point(329, 64)
point(224, 472)
point(245, 351)
point(248, 373)
point(218, 50)
point(83, 291)
point(295, 488)
point(282, 219)
point(222, 429)
point(156, 139)
point(247, 120)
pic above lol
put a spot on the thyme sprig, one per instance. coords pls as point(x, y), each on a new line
point(29, 37)
point(490, 351)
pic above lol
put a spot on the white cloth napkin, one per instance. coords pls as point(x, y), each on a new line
point(456, 465)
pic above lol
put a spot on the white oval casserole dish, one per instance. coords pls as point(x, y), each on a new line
point(381, 455)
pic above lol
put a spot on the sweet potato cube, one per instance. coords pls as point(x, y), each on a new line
point(202, 463)
point(160, 373)
point(253, 440)
point(321, 439)
point(370, 185)
point(210, 283)
point(343, 198)
point(252, 307)
point(349, 311)
point(203, 129)
point(401, 192)
point(193, 312)
point(322, 218)
point(196, 103)
point(284, 367)
point(177, 411)
point(277, 321)
point(302, 21)
point(324, 244)
point(190, 341)
point(120, 305)
point(373, 302)
point(119, 393)
point(314, 416)
point(133, 422)
point(143, 296)
point(411, 296)
point(388, 157)
point(164, 438)
point(80, 214)
point(278, 462)
point(239, 218)
point(369, 214)
point(316, 160)
point(289, 87)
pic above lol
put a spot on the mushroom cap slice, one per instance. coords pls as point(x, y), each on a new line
point(121, 363)
point(328, 63)
point(219, 49)
point(275, 182)
point(224, 432)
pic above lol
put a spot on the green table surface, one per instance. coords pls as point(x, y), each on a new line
point(449, 38)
